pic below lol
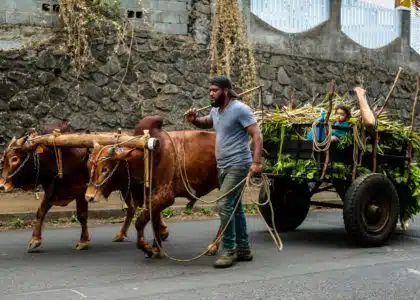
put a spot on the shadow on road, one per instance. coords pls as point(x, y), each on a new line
point(332, 238)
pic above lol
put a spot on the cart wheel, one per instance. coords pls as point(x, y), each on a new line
point(371, 209)
point(290, 201)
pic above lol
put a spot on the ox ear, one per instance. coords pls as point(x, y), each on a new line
point(122, 153)
point(40, 149)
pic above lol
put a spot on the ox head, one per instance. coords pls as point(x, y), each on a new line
point(108, 170)
point(108, 165)
point(18, 165)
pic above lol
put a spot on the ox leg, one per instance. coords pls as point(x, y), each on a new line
point(132, 203)
point(141, 222)
point(157, 208)
point(137, 201)
point(164, 232)
point(82, 216)
point(157, 242)
point(119, 237)
point(40, 216)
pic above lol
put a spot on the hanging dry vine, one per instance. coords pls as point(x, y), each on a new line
point(84, 22)
point(230, 50)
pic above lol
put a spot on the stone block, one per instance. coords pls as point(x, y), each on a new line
point(172, 28)
point(19, 5)
point(2, 16)
point(175, 6)
point(169, 17)
point(183, 18)
point(15, 17)
point(129, 3)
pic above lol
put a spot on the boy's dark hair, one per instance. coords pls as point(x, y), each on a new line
point(345, 109)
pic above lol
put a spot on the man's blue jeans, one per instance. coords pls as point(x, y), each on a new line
point(236, 232)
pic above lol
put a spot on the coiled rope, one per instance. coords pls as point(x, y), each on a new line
point(325, 144)
point(248, 183)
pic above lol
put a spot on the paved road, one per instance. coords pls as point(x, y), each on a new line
point(317, 262)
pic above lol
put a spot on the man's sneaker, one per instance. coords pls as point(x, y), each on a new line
point(244, 254)
point(226, 260)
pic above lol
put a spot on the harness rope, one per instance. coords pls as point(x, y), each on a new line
point(108, 177)
point(36, 168)
point(248, 183)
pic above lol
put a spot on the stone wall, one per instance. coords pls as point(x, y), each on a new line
point(281, 73)
point(161, 15)
point(167, 74)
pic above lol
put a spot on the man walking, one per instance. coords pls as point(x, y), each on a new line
point(233, 121)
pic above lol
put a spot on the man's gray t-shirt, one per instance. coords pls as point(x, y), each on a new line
point(232, 144)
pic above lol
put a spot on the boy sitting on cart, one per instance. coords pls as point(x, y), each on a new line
point(342, 114)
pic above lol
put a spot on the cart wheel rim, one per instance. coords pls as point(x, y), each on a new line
point(376, 213)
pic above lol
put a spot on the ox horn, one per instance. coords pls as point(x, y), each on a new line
point(12, 141)
point(32, 131)
point(22, 140)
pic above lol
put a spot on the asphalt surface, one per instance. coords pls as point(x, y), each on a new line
point(317, 262)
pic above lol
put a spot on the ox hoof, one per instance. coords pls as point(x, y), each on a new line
point(119, 237)
point(148, 253)
point(146, 249)
point(33, 244)
point(164, 235)
point(156, 254)
point(81, 246)
point(211, 250)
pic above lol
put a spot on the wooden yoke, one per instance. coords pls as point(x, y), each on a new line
point(146, 162)
point(87, 139)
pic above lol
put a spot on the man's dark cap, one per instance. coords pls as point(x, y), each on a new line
point(224, 83)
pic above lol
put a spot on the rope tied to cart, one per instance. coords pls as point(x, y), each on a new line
point(248, 183)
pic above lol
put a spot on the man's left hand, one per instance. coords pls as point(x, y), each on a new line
point(256, 168)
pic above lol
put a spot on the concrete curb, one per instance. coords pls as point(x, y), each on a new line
point(101, 213)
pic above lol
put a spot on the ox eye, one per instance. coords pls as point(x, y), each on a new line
point(14, 159)
point(104, 170)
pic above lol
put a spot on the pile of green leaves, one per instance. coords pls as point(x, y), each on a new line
point(283, 125)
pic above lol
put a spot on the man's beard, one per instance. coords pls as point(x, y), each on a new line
point(218, 101)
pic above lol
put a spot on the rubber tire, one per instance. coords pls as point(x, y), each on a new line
point(364, 186)
point(291, 202)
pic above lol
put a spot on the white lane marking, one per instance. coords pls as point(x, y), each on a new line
point(78, 293)
point(413, 271)
point(54, 291)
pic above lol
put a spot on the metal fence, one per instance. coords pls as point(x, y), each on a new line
point(292, 16)
point(415, 30)
point(369, 24)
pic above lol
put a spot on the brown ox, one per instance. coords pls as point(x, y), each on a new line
point(25, 167)
point(200, 166)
